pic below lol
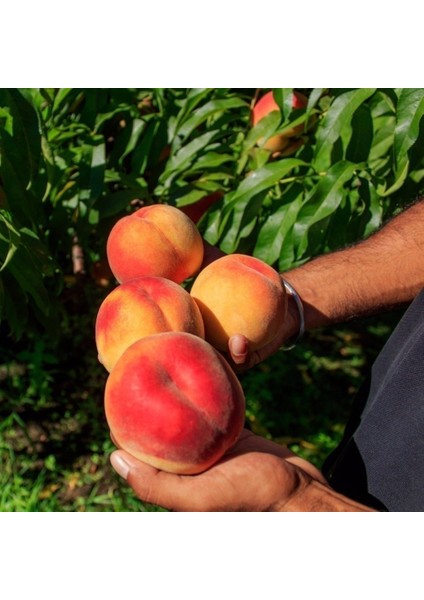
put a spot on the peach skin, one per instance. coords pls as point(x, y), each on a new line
point(157, 240)
point(141, 307)
point(239, 294)
point(173, 402)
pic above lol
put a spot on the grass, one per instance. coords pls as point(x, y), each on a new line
point(54, 441)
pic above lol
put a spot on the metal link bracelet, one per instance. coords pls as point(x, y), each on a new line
point(290, 289)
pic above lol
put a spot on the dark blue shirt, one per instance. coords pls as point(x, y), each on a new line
point(380, 461)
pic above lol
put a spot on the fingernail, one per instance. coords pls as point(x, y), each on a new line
point(239, 359)
point(120, 465)
point(238, 347)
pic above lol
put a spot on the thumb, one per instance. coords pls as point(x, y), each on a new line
point(239, 348)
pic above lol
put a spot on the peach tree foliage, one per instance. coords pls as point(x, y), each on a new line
point(72, 161)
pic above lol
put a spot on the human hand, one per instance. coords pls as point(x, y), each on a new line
point(239, 353)
point(255, 475)
point(238, 345)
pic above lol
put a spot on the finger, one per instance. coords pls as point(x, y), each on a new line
point(243, 358)
point(251, 442)
point(308, 468)
point(153, 486)
point(238, 347)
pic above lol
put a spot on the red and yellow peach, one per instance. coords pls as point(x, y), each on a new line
point(240, 294)
point(141, 307)
point(173, 402)
point(157, 240)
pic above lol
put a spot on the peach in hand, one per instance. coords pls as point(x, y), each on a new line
point(141, 307)
point(240, 294)
point(157, 240)
point(173, 402)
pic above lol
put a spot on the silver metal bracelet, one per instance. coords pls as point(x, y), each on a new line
point(290, 289)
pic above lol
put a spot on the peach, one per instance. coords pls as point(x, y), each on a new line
point(141, 307)
point(240, 294)
point(157, 240)
point(173, 402)
point(282, 141)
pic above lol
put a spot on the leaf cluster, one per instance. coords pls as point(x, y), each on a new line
point(73, 161)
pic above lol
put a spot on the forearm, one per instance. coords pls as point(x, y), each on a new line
point(378, 273)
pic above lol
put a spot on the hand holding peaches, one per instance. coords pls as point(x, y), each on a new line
point(255, 474)
point(245, 307)
point(171, 399)
point(240, 294)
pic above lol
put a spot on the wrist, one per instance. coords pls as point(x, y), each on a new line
point(313, 496)
point(295, 315)
point(316, 299)
point(292, 322)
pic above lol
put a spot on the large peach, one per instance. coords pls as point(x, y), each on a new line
point(141, 307)
point(173, 401)
point(240, 294)
point(157, 240)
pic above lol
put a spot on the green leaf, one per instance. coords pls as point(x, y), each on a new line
point(24, 269)
point(9, 238)
point(206, 111)
point(284, 98)
point(21, 157)
point(189, 196)
point(113, 204)
point(338, 116)
point(321, 203)
point(398, 183)
point(186, 155)
point(143, 149)
point(290, 117)
point(262, 131)
point(384, 129)
point(272, 237)
point(359, 146)
point(313, 99)
point(233, 224)
point(137, 129)
point(209, 160)
point(23, 144)
point(410, 110)
point(372, 217)
point(188, 104)
point(65, 99)
point(92, 163)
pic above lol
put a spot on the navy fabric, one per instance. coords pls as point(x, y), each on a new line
point(380, 461)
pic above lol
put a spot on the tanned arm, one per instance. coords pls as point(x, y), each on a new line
point(381, 272)
point(384, 271)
